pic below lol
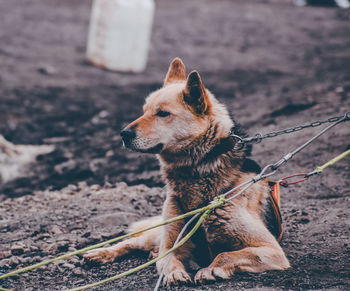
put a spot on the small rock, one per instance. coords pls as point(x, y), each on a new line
point(50, 240)
point(71, 189)
point(72, 249)
point(55, 230)
point(13, 261)
point(68, 266)
point(86, 234)
point(42, 236)
point(46, 70)
point(34, 248)
point(108, 185)
point(61, 270)
point(95, 187)
point(35, 259)
point(25, 260)
point(339, 90)
point(4, 254)
point(80, 282)
point(78, 271)
point(51, 249)
point(4, 263)
point(82, 185)
point(65, 166)
point(96, 236)
point(18, 248)
point(75, 260)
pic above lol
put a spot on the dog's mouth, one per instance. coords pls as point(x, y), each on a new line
point(152, 150)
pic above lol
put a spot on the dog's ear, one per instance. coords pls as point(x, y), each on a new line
point(195, 94)
point(176, 72)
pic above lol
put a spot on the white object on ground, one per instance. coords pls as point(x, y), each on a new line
point(119, 34)
point(15, 158)
point(342, 3)
point(300, 2)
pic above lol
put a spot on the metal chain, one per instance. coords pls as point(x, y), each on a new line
point(271, 169)
point(241, 142)
point(266, 172)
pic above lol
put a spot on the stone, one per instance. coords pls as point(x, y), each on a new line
point(18, 248)
point(55, 229)
point(65, 166)
point(67, 265)
point(4, 254)
point(78, 271)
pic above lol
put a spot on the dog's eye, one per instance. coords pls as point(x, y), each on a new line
point(162, 113)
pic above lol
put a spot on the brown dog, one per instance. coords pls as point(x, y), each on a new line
point(189, 130)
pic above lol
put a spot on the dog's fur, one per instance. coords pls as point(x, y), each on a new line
point(188, 129)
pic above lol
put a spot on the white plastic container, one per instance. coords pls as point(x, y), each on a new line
point(119, 34)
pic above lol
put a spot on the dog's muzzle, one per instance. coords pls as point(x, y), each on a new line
point(131, 141)
point(128, 135)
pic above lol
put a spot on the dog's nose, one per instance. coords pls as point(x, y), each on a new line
point(128, 134)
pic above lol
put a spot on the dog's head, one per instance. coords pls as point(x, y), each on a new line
point(177, 114)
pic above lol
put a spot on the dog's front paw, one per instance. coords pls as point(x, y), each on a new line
point(211, 274)
point(177, 277)
point(101, 255)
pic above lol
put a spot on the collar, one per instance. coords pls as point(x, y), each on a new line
point(224, 146)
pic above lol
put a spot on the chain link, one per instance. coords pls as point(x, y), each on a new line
point(240, 142)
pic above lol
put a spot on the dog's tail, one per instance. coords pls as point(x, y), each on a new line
point(138, 225)
point(148, 240)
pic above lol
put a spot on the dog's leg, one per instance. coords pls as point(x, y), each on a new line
point(146, 241)
point(175, 273)
point(250, 259)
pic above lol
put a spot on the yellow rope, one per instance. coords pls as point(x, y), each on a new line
point(219, 201)
point(333, 161)
point(77, 252)
point(138, 268)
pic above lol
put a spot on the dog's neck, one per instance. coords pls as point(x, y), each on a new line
point(208, 163)
point(203, 155)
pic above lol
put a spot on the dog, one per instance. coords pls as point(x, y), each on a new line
point(190, 132)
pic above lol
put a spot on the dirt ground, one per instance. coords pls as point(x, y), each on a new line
point(274, 65)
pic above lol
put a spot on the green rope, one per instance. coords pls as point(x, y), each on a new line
point(333, 161)
point(4, 289)
point(138, 268)
point(77, 252)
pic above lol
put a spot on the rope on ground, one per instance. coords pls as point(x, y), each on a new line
point(263, 175)
point(170, 255)
point(207, 209)
point(77, 252)
point(219, 203)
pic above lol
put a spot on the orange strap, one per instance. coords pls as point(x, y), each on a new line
point(275, 196)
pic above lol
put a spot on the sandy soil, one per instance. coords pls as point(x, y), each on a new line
point(274, 65)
